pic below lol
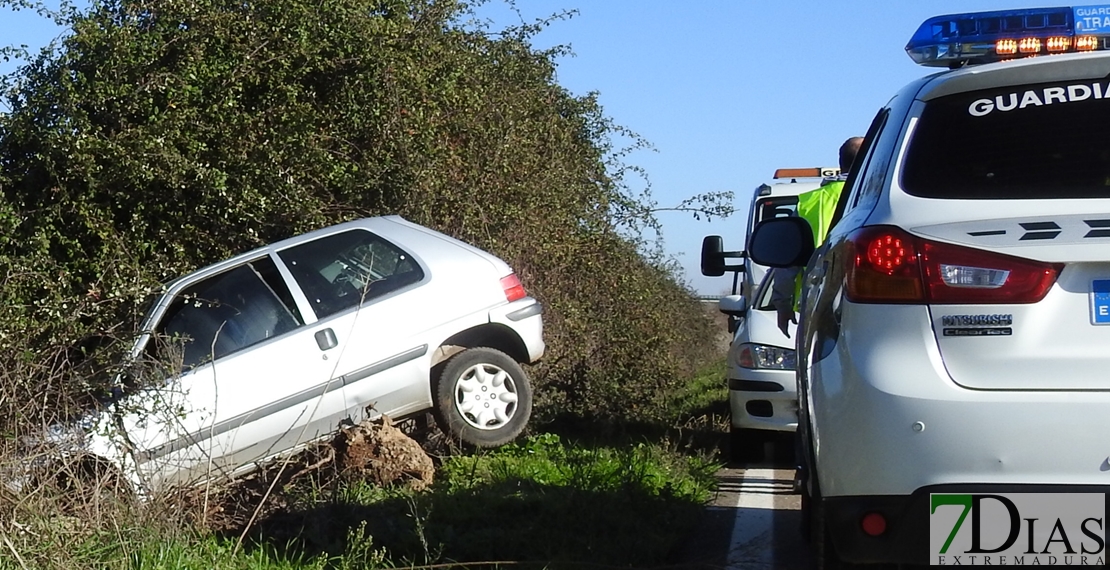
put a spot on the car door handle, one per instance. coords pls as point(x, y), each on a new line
point(326, 340)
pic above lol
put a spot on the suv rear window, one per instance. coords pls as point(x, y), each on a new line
point(1025, 142)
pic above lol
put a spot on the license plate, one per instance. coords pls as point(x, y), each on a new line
point(1100, 302)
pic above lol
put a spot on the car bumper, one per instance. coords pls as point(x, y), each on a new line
point(525, 317)
point(888, 420)
point(763, 399)
point(906, 539)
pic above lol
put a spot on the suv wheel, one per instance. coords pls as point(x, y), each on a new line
point(824, 553)
point(483, 398)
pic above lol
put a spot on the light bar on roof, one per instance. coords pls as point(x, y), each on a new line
point(983, 37)
point(824, 172)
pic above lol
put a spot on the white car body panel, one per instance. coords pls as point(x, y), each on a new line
point(918, 427)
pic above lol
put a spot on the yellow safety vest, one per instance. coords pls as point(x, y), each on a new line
point(817, 207)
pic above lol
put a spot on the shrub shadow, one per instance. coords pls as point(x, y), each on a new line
point(517, 522)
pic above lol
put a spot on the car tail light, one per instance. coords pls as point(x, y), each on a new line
point(512, 287)
point(893, 266)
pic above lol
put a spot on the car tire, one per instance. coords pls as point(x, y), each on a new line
point(483, 398)
point(746, 445)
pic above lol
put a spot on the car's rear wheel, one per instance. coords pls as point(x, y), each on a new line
point(746, 445)
point(483, 398)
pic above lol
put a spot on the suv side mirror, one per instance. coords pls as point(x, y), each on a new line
point(781, 242)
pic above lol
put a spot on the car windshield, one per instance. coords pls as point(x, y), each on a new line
point(1026, 142)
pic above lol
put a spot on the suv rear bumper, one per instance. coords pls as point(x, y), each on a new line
point(906, 540)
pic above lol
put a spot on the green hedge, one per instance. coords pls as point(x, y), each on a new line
point(160, 136)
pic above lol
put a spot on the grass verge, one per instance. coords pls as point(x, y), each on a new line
point(549, 501)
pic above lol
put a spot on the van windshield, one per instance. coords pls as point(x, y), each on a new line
point(779, 207)
point(1025, 142)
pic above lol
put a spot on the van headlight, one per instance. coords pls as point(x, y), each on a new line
point(763, 357)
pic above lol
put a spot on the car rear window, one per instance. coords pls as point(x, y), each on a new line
point(1026, 142)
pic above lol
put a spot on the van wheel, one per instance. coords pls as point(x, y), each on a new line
point(483, 398)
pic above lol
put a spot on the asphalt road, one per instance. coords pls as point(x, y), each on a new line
point(753, 521)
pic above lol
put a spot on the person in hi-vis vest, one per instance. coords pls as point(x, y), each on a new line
point(816, 207)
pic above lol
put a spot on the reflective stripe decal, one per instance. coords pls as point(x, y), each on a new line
point(279, 405)
point(382, 366)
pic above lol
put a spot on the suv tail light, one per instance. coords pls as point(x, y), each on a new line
point(893, 266)
point(513, 288)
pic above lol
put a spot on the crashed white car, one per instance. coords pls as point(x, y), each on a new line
point(260, 354)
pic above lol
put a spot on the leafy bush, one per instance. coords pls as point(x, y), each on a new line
point(163, 135)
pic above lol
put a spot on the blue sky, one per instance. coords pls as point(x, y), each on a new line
point(726, 91)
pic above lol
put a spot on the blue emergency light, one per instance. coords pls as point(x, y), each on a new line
point(983, 37)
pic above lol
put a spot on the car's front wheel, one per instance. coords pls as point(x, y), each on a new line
point(483, 398)
point(746, 445)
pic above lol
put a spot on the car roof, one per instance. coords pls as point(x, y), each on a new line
point(1044, 69)
point(380, 224)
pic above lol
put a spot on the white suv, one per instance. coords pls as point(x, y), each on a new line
point(953, 336)
point(281, 344)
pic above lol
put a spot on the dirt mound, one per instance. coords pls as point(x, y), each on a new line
point(374, 450)
point(381, 453)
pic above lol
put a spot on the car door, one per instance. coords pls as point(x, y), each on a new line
point(247, 377)
point(367, 290)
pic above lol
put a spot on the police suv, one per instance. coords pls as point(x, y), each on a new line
point(952, 352)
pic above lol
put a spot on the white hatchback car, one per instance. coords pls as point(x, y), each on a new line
point(762, 394)
point(279, 345)
point(953, 338)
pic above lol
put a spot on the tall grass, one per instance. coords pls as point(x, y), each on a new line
point(544, 502)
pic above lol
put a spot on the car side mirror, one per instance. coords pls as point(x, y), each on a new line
point(781, 242)
point(733, 305)
point(736, 307)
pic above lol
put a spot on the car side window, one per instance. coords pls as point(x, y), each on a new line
point(344, 270)
point(861, 179)
point(226, 313)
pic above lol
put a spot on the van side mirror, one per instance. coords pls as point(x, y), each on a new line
point(713, 257)
point(781, 242)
